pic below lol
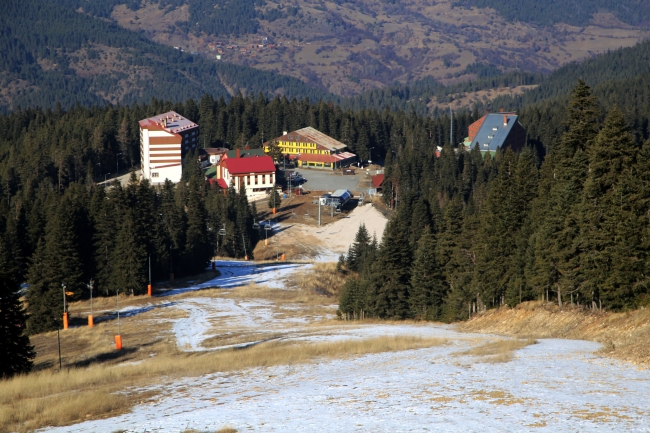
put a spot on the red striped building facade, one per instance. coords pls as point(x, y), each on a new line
point(165, 139)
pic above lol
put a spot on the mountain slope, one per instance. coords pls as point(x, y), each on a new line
point(351, 46)
point(44, 63)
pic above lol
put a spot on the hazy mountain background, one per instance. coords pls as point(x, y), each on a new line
point(423, 54)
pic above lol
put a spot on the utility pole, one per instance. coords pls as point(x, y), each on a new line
point(149, 286)
point(91, 322)
point(65, 308)
point(318, 211)
point(451, 128)
point(117, 165)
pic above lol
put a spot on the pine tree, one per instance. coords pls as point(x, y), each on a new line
point(427, 282)
point(274, 199)
point(129, 273)
point(357, 252)
point(611, 262)
point(16, 353)
point(389, 289)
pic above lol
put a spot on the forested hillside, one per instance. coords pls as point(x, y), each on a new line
point(44, 64)
point(575, 12)
point(475, 232)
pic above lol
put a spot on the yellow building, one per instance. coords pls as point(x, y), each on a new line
point(312, 149)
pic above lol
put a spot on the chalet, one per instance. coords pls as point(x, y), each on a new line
point(311, 148)
point(494, 131)
point(255, 173)
point(165, 139)
point(377, 182)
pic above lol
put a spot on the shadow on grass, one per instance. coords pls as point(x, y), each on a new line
point(103, 357)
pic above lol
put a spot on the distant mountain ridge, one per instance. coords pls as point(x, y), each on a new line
point(44, 63)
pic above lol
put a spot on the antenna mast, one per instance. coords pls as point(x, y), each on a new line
point(451, 127)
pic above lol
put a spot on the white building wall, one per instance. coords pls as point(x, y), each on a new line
point(158, 172)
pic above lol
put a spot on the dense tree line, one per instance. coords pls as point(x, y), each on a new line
point(473, 232)
point(111, 236)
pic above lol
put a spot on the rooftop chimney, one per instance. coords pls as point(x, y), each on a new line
point(237, 153)
point(505, 120)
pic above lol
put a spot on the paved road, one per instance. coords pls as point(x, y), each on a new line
point(319, 180)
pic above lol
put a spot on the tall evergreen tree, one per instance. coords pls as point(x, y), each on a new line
point(16, 353)
point(428, 287)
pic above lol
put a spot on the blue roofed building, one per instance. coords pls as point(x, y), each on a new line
point(494, 131)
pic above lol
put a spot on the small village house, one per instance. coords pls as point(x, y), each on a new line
point(494, 131)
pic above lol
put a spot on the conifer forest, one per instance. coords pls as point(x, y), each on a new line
point(469, 231)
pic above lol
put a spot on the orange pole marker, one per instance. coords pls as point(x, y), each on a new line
point(274, 211)
point(118, 342)
point(91, 322)
point(266, 242)
point(283, 257)
point(65, 320)
point(149, 289)
point(246, 258)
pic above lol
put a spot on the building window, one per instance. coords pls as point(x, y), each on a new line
point(248, 180)
point(255, 179)
point(154, 174)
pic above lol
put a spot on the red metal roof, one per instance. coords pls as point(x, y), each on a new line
point(252, 164)
point(377, 180)
point(222, 183)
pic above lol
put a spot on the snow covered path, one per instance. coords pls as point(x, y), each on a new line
point(553, 386)
point(235, 273)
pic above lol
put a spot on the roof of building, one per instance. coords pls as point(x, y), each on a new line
point(245, 153)
point(314, 157)
point(211, 172)
point(493, 132)
point(222, 183)
point(213, 150)
point(171, 122)
point(377, 180)
point(254, 164)
point(311, 135)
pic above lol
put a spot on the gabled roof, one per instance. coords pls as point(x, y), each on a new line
point(377, 180)
point(245, 153)
point(494, 131)
point(253, 164)
point(311, 135)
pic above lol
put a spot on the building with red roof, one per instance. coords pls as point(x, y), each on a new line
point(377, 181)
point(255, 173)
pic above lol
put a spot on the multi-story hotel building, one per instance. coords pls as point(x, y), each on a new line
point(311, 148)
point(165, 139)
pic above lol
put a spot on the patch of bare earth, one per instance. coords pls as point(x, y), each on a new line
point(624, 336)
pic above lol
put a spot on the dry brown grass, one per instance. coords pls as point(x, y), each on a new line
point(323, 279)
point(498, 351)
point(623, 335)
point(49, 398)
